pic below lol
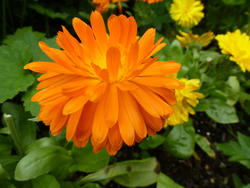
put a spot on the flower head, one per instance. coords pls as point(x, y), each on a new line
point(103, 5)
point(190, 38)
point(236, 44)
point(108, 87)
point(152, 1)
point(187, 13)
point(186, 99)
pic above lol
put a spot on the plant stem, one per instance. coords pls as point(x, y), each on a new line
point(13, 132)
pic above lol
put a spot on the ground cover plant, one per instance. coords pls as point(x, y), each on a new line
point(124, 93)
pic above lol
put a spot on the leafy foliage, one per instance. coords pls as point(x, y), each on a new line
point(238, 151)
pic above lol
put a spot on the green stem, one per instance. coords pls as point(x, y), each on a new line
point(4, 17)
point(13, 132)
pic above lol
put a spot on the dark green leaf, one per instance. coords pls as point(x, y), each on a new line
point(41, 161)
point(204, 145)
point(133, 173)
point(237, 151)
point(48, 12)
point(180, 141)
point(152, 142)
point(164, 181)
point(221, 112)
point(91, 185)
point(13, 77)
point(25, 130)
point(41, 143)
point(3, 173)
point(45, 181)
point(87, 161)
point(234, 2)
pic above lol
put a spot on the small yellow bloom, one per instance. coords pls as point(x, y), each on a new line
point(190, 38)
point(186, 99)
point(236, 44)
point(187, 13)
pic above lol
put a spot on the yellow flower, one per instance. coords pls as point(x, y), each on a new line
point(186, 99)
point(190, 38)
point(187, 13)
point(236, 44)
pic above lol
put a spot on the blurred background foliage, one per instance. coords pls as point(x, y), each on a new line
point(212, 149)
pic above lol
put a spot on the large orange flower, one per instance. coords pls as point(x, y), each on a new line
point(106, 87)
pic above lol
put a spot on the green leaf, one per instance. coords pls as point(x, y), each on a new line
point(232, 90)
point(5, 146)
point(234, 2)
point(164, 181)
point(87, 161)
point(25, 130)
point(152, 142)
point(32, 107)
point(41, 143)
point(3, 173)
point(48, 12)
point(237, 181)
point(91, 185)
point(45, 181)
point(41, 161)
point(237, 151)
point(221, 112)
point(13, 77)
point(204, 145)
point(180, 141)
point(22, 47)
point(133, 173)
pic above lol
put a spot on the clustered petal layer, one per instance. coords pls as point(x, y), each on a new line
point(186, 99)
point(189, 38)
point(108, 87)
point(152, 1)
point(187, 13)
point(103, 5)
point(236, 44)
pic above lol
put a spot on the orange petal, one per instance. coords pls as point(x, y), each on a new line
point(111, 105)
point(114, 137)
point(98, 27)
point(133, 114)
point(161, 68)
point(146, 43)
point(100, 128)
point(126, 85)
point(80, 28)
point(159, 81)
point(153, 122)
point(113, 60)
point(84, 127)
point(132, 30)
point(124, 22)
point(43, 67)
point(167, 94)
point(72, 124)
point(125, 126)
point(114, 28)
point(74, 104)
point(153, 104)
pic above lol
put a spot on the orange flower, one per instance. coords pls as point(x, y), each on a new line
point(103, 5)
point(106, 87)
point(152, 1)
